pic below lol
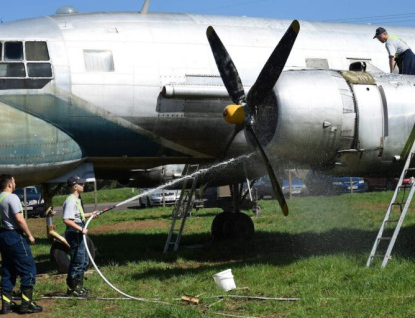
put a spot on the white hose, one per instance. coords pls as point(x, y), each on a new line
point(200, 171)
point(107, 281)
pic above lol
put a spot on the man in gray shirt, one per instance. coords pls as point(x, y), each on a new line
point(17, 259)
point(74, 219)
point(398, 51)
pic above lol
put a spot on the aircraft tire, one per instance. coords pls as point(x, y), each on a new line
point(238, 226)
point(59, 255)
point(218, 223)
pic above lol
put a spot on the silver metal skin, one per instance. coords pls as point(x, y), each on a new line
point(155, 97)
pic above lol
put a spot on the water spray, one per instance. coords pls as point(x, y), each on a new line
point(199, 172)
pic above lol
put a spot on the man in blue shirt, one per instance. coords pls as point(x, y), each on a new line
point(17, 259)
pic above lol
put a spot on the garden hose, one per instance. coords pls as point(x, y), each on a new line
point(105, 279)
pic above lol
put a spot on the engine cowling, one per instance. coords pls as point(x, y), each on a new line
point(346, 122)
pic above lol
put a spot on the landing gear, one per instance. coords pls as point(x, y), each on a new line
point(228, 225)
point(234, 224)
point(218, 225)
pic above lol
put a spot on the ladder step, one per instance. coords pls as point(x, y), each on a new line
point(403, 206)
point(406, 186)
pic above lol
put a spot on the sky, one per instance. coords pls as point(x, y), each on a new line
point(377, 13)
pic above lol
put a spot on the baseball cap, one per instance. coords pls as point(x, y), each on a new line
point(379, 31)
point(75, 180)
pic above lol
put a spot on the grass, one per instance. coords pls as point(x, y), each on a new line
point(318, 254)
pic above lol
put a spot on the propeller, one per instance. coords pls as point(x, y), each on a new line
point(244, 110)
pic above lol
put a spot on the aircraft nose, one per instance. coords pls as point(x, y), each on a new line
point(30, 143)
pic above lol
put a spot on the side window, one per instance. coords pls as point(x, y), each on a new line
point(317, 63)
point(98, 61)
point(36, 51)
point(1, 51)
point(13, 51)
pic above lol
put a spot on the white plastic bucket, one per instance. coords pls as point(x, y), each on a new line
point(225, 280)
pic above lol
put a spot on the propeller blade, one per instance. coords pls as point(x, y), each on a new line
point(227, 69)
point(274, 66)
point(237, 129)
point(274, 182)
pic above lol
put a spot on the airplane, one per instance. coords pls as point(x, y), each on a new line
point(121, 93)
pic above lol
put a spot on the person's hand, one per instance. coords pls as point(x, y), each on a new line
point(95, 214)
point(31, 239)
point(84, 231)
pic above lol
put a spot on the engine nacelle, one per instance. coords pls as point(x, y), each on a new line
point(346, 122)
point(149, 178)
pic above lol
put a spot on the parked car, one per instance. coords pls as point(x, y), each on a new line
point(155, 197)
point(264, 187)
point(297, 187)
point(322, 184)
point(347, 184)
point(384, 183)
point(35, 205)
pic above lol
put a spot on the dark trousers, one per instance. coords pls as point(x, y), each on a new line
point(17, 260)
point(79, 256)
point(406, 62)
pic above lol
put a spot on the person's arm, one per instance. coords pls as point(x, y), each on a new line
point(94, 214)
point(23, 226)
point(71, 223)
point(391, 63)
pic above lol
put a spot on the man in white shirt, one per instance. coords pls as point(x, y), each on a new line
point(399, 52)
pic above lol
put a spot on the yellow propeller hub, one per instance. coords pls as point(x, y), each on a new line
point(234, 114)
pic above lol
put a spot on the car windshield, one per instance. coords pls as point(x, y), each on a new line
point(19, 191)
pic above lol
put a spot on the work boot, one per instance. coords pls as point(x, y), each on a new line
point(86, 291)
point(7, 305)
point(75, 287)
point(28, 306)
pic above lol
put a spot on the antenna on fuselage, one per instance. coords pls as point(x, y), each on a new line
point(144, 9)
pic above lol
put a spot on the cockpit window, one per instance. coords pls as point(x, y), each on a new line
point(39, 70)
point(24, 64)
point(36, 51)
point(13, 51)
point(12, 70)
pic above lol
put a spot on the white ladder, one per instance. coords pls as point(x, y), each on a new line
point(182, 208)
point(406, 193)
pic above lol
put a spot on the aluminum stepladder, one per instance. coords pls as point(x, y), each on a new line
point(182, 208)
point(406, 193)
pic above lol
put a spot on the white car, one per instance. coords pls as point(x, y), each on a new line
point(155, 197)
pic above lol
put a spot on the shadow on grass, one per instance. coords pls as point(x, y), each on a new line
point(279, 249)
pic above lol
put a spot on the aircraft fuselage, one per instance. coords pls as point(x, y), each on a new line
point(129, 91)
